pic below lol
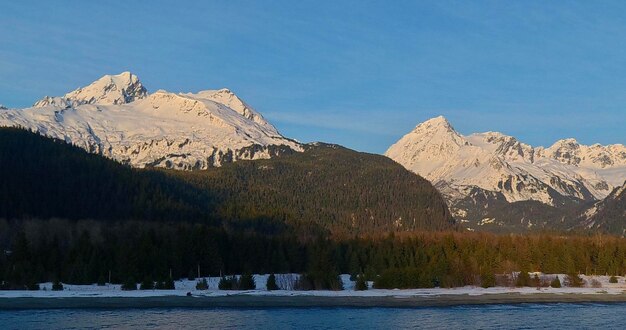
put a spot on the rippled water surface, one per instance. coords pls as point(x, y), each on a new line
point(525, 316)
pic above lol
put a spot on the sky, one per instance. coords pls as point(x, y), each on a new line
point(357, 73)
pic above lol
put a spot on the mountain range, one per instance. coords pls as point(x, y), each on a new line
point(117, 117)
point(492, 179)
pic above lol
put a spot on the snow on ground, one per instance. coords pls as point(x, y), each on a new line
point(185, 286)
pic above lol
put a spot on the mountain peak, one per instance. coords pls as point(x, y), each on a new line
point(110, 89)
point(427, 147)
point(439, 120)
point(435, 124)
point(565, 144)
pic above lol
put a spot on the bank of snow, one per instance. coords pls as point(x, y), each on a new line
point(183, 287)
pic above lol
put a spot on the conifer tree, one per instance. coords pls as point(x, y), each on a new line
point(574, 280)
point(523, 279)
point(169, 284)
point(226, 283)
point(360, 284)
point(202, 284)
point(147, 284)
point(101, 280)
point(129, 284)
point(271, 283)
point(246, 282)
point(556, 283)
point(57, 286)
point(487, 280)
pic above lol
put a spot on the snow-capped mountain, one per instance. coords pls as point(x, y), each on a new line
point(499, 167)
point(115, 116)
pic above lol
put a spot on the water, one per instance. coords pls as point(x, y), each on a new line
point(524, 316)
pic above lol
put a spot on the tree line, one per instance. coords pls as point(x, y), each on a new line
point(85, 252)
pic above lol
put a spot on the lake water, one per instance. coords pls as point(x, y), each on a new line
point(524, 316)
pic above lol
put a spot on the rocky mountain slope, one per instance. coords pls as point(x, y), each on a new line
point(607, 215)
point(483, 175)
point(116, 117)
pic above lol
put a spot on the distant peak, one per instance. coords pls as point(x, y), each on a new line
point(438, 120)
point(123, 79)
point(436, 123)
point(570, 142)
point(109, 89)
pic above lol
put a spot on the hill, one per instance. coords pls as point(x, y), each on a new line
point(326, 186)
point(45, 178)
point(338, 188)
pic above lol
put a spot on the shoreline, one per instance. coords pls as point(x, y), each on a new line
point(275, 301)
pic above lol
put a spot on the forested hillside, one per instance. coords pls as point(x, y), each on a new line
point(325, 187)
point(338, 188)
point(44, 178)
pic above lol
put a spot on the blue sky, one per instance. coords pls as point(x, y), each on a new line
point(359, 73)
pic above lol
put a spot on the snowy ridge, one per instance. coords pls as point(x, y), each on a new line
point(499, 163)
point(116, 117)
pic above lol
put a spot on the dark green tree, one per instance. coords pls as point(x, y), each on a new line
point(360, 284)
point(246, 282)
point(147, 284)
point(57, 286)
point(271, 283)
point(487, 280)
point(574, 280)
point(129, 284)
point(202, 284)
point(523, 279)
point(556, 283)
point(227, 283)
